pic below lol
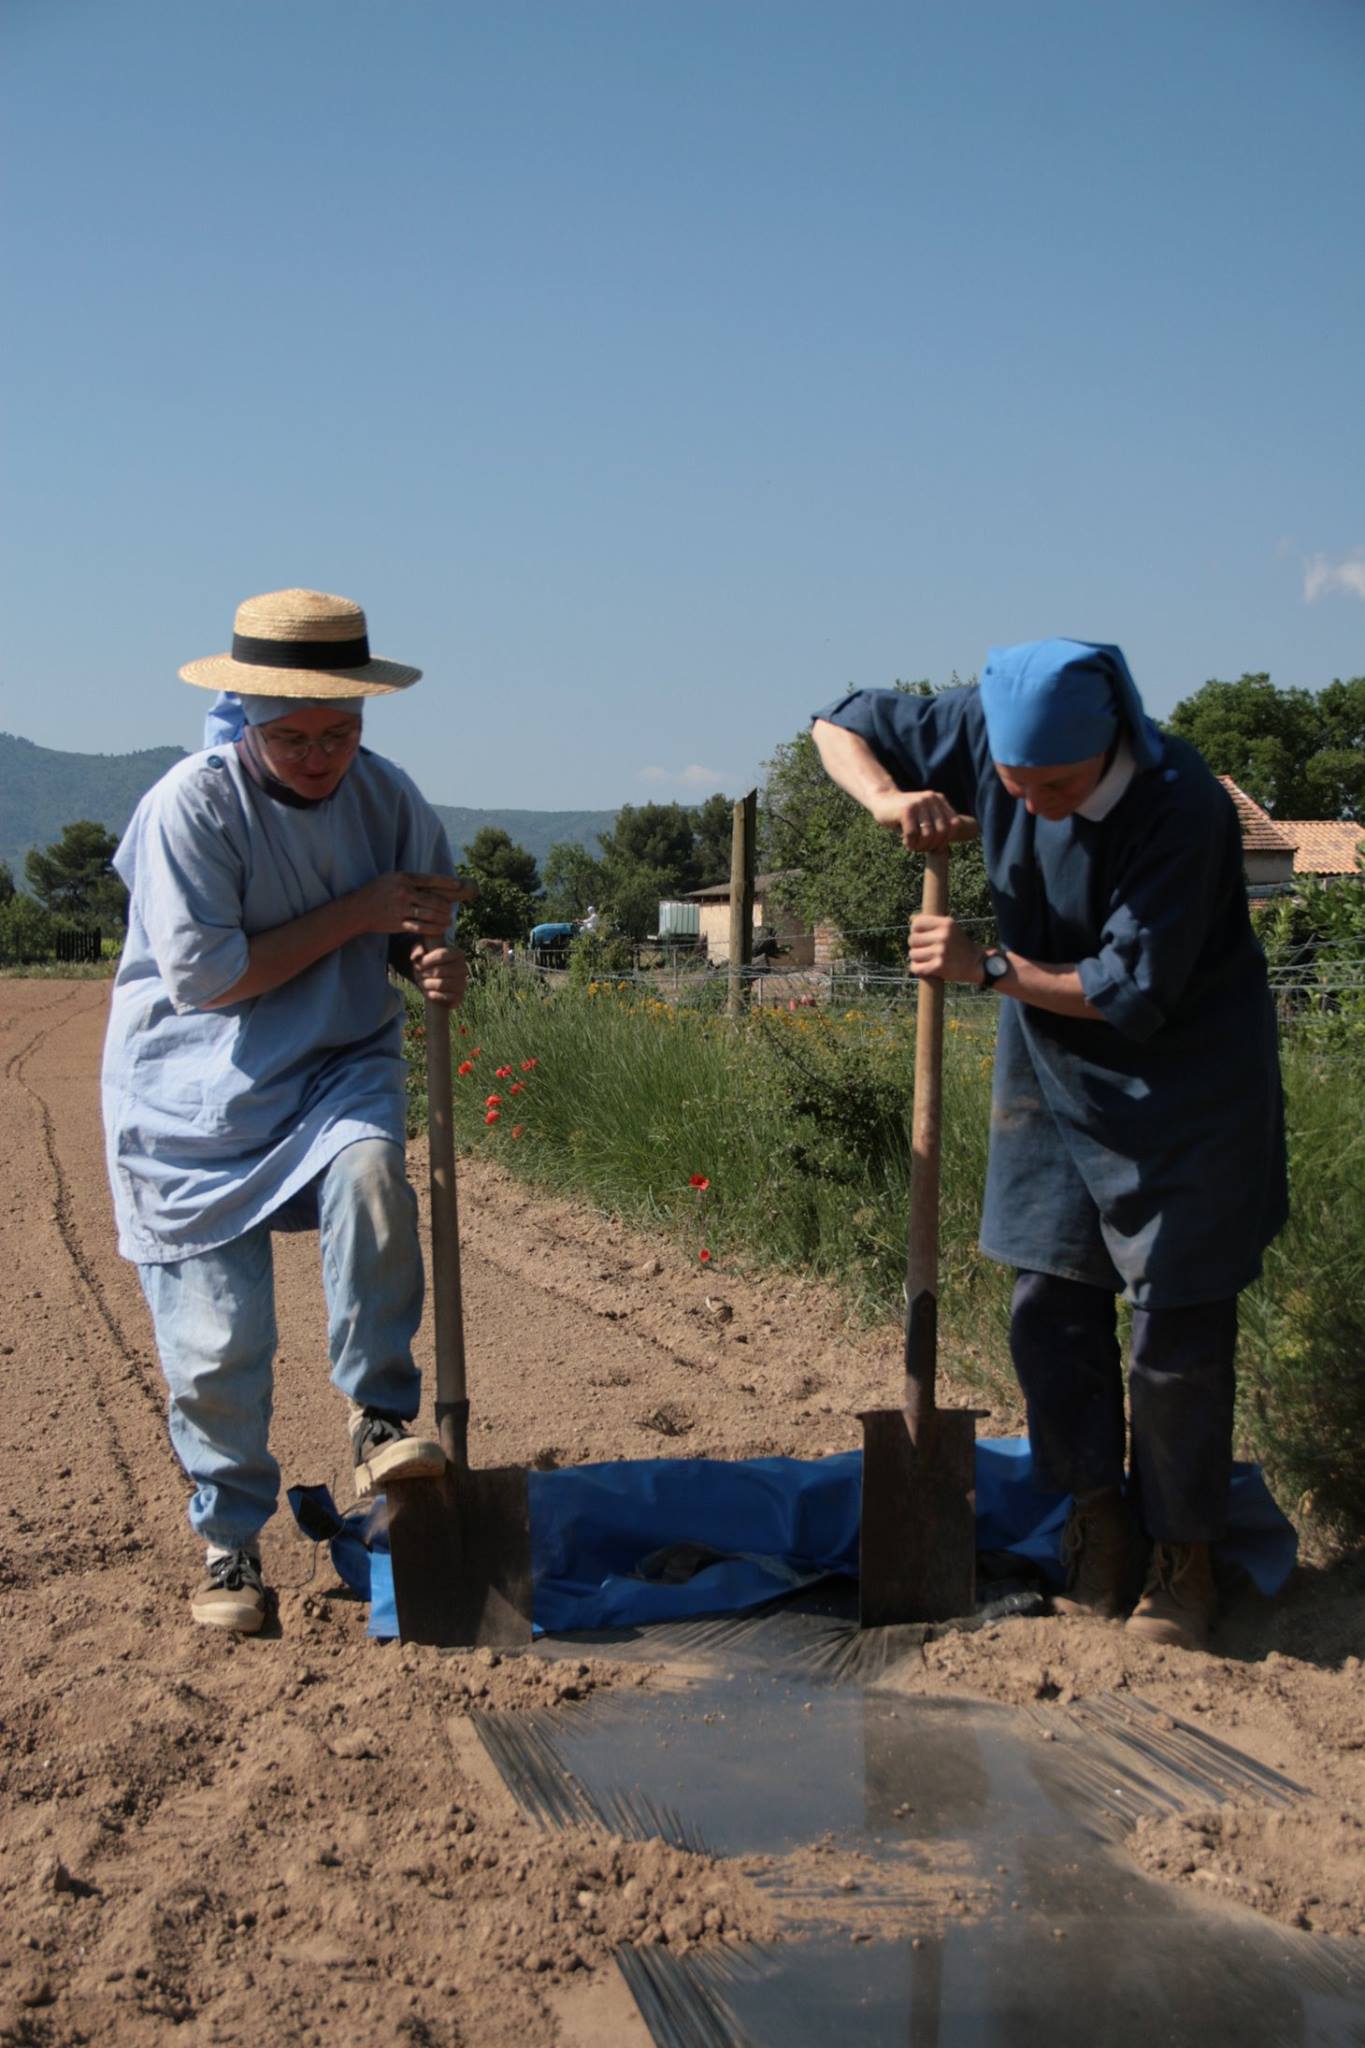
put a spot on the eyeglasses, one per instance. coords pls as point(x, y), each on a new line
point(296, 751)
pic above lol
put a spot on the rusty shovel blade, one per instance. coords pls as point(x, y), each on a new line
point(461, 1551)
point(917, 1547)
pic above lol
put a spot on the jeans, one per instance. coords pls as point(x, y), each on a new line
point(1181, 1376)
point(214, 1317)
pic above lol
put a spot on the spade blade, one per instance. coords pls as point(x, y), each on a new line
point(461, 1551)
point(917, 1547)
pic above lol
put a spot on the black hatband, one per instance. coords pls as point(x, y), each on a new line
point(321, 654)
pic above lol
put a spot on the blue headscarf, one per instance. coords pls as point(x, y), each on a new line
point(230, 713)
point(1049, 702)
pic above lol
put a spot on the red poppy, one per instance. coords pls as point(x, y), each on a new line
point(527, 1065)
point(502, 1073)
point(704, 1256)
point(465, 1067)
point(474, 1051)
point(492, 1101)
point(492, 1116)
point(517, 1130)
point(699, 1182)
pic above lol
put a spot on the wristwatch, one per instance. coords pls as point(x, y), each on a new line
point(994, 967)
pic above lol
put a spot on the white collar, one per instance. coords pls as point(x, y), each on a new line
point(1110, 786)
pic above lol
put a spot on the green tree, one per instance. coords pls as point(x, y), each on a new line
point(648, 856)
point(509, 884)
point(713, 840)
point(633, 897)
point(573, 880)
point(658, 836)
point(1297, 753)
point(74, 877)
point(6, 882)
point(1335, 774)
point(26, 930)
point(493, 855)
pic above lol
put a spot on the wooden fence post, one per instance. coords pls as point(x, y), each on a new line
point(742, 899)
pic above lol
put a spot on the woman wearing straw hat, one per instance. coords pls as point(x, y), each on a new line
point(253, 1071)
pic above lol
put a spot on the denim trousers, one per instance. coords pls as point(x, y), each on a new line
point(214, 1317)
point(1181, 1380)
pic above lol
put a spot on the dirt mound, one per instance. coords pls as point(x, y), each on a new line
point(1307, 1868)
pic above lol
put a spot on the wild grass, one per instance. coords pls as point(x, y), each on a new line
point(1302, 1350)
point(798, 1121)
point(59, 970)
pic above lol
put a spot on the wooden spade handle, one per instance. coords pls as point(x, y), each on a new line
point(452, 1399)
point(921, 1254)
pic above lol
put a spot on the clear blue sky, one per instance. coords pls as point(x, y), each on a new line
point(651, 368)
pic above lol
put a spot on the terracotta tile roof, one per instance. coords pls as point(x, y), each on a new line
point(1324, 846)
point(1260, 833)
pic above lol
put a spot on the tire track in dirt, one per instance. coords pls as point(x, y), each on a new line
point(95, 1483)
point(63, 1216)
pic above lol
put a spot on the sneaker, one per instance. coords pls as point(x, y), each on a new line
point(383, 1447)
point(233, 1594)
point(1098, 1549)
point(1179, 1600)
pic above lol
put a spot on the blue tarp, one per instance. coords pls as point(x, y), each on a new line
point(757, 1527)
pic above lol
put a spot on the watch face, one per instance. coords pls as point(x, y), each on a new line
point(996, 966)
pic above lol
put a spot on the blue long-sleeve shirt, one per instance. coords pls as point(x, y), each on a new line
point(1143, 1150)
point(215, 1118)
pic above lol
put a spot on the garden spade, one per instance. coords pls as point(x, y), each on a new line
point(460, 1544)
point(917, 1541)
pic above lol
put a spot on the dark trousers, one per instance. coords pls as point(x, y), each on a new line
point(1064, 1340)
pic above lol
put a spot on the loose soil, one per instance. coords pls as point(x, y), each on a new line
point(295, 1837)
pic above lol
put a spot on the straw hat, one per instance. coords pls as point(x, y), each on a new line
point(299, 643)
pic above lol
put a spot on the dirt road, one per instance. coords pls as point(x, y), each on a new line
point(291, 1838)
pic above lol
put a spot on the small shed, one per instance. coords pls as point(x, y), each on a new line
point(1267, 848)
point(798, 944)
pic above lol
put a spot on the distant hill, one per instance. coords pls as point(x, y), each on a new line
point(537, 831)
point(42, 789)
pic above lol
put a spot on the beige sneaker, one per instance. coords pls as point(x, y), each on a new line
point(233, 1595)
point(1179, 1601)
point(1098, 1546)
point(383, 1448)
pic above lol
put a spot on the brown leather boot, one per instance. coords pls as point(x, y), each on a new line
point(1179, 1600)
point(1097, 1545)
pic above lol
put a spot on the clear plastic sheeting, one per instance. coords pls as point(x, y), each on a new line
point(993, 1905)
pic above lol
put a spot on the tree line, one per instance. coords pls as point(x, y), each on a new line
point(1298, 753)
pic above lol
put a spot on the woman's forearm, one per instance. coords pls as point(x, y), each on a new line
point(1044, 986)
point(849, 760)
point(275, 957)
point(940, 950)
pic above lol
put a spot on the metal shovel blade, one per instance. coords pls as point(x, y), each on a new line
point(461, 1551)
point(917, 1547)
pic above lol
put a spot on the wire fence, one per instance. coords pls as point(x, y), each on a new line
point(1304, 982)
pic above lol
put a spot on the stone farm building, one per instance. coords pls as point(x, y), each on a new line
point(1277, 852)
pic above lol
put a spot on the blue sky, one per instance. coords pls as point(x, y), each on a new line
point(649, 369)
